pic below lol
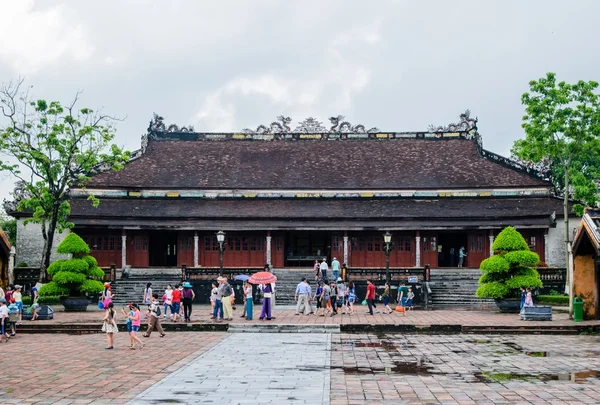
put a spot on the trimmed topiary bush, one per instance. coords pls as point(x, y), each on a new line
point(73, 277)
point(49, 300)
point(510, 268)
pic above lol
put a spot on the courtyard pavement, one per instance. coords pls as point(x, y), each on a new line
point(344, 369)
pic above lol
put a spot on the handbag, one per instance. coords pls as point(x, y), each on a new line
point(267, 295)
point(364, 302)
point(100, 305)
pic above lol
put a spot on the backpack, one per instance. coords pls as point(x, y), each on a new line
point(157, 310)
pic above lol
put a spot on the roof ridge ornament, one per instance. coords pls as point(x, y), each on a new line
point(157, 125)
point(465, 123)
point(310, 126)
point(344, 127)
point(275, 127)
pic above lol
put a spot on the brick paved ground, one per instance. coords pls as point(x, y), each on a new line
point(286, 315)
point(64, 369)
point(363, 369)
point(464, 369)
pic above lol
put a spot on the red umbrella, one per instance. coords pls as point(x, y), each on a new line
point(262, 277)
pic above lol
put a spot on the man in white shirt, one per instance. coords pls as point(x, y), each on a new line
point(303, 292)
point(324, 267)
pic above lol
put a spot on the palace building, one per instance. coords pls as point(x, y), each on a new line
point(289, 196)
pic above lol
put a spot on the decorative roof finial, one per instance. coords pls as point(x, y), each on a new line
point(465, 123)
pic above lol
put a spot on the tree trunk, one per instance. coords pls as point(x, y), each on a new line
point(47, 251)
point(567, 240)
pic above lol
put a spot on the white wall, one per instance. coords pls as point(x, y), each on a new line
point(30, 244)
point(555, 252)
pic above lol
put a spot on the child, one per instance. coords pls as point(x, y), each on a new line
point(409, 299)
point(3, 320)
point(110, 325)
point(213, 296)
point(317, 296)
point(13, 314)
point(351, 297)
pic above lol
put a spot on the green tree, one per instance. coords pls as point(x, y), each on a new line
point(562, 129)
point(76, 276)
point(51, 148)
point(9, 226)
point(510, 268)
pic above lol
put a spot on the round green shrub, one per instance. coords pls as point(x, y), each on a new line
point(22, 264)
point(75, 265)
point(53, 289)
point(495, 290)
point(55, 267)
point(95, 273)
point(495, 264)
point(73, 244)
point(67, 277)
point(522, 258)
point(91, 261)
point(509, 240)
point(26, 300)
point(92, 287)
point(510, 269)
point(49, 300)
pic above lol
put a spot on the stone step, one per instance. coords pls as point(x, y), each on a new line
point(268, 327)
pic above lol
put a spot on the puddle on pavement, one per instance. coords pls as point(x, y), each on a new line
point(537, 354)
point(384, 344)
point(576, 377)
point(479, 341)
point(398, 368)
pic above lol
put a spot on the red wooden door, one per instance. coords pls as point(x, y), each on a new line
point(477, 249)
point(337, 248)
point(208, 251)
point(185, 253)
point(137, 250)
point(403, 251)
point(535, 240)
point(277, 258)
point(429, 253)
point(375, 257)
point(356, 251)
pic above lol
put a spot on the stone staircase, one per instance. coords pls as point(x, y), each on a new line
point(132, 289)
point(287, 280)
point(455, 289)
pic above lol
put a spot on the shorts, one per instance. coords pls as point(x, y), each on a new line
point(386, 300)
point(129, 327)
point(318, 302)
point(19, 305)
point(135, 328)
point(175, 307)
point(409, 303)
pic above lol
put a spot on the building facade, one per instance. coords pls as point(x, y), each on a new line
point(290, 196)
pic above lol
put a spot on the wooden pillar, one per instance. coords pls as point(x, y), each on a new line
point(418, 249)
point(123, 249)
point(196, 249)
point(346, 248)
point(491, 243)
point(268, 248)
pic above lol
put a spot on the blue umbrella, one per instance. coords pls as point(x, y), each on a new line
point(241, 277)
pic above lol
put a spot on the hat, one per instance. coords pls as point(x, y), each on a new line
point(187, 285)
point(106, 285)
point(17, 286)
point(221, 278)
point(2, 300)
point(339, 279)
point(335, 258)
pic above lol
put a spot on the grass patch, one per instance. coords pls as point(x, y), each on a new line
point(559, 300)
point(501, 377)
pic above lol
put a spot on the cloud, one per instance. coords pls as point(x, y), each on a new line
point(40, 37)
point(329, 84)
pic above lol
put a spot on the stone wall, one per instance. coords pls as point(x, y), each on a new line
point(555, 248)
point(30, 244)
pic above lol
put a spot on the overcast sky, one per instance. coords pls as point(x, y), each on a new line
point(226, 65)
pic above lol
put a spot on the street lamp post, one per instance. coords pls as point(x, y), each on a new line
point(387, 242)
point(221, 240)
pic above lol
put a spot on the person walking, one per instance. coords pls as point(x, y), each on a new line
point(155, 323)
point(175, 303)
point(370, 297)
point(528, 299)
point(335, 268)
point(266, 306)
point(4, 335)
point(409, 299)
point(523, 297)
point(107, 295)
point(213, 296)
point(317, 297)
point(310, 299)
point(109, 326)
point(128, 315)
point(218, 308)
point(341, 295)
point(317, 270)
point(324, 267)
point(333, 297)
point(325, 297)
point(402, 292)
point(248, 301)
point(18, 297)
point(136, 323)
point(168, 300)
point(34, 304)
point(386, 299)
point(147, 299)
point(188, 297)
point(226, 294)
point(302, 296)
point(351, 293)
point(461, 256)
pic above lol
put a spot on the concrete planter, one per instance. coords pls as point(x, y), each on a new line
point(75, 304)
point(538, 313)
point(509, 306)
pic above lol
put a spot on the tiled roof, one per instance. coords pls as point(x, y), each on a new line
point(470, 208)
point(350, 164)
